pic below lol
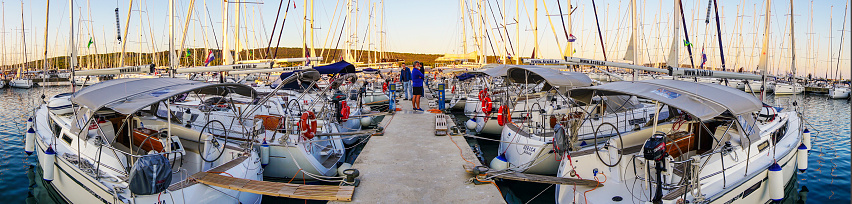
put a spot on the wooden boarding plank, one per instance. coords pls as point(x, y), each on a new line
point(287, 190)
point(508, 174)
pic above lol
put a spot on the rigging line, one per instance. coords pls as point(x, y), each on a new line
point(331, 25)
point(719, 35)
point(600, 35)
point(369, 17)
point(488, 38)
point(280, 32)
point(686, 34)
point(553, 28)
point(839, 50)
point(208, 19)
point(275, 25)
point(339, 36)
point(561, 17)
point(505, 28)
point(490, 8)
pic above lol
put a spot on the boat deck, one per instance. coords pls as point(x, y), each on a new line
point(287, 190)
point(409, 164)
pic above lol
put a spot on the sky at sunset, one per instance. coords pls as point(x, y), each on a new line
point(435, 26)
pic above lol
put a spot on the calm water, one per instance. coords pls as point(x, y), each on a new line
point(827, 177)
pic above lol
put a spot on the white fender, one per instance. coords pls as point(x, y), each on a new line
point(775, 182)
point(29, 145)
point(802, 158)
point(48, 164)
point(264, 153)
point(806, 138)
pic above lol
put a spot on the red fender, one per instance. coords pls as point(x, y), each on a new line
point(344, 110)
point(503, 115)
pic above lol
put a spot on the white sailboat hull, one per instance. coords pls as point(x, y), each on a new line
point(838, 93)
point(21, 83)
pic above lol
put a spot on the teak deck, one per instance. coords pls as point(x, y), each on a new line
point(287, 190)
point(507, 174)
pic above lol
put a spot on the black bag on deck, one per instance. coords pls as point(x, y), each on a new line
point(150, 175)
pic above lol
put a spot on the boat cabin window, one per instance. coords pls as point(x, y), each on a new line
point(779, 134)
point(54, 128)
point(67, 139)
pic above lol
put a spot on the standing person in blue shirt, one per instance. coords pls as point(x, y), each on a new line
point(417, 84)
point(405, 78)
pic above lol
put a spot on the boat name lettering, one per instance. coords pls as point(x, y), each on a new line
point(129, 69)
point(695, 72)
point(528, 150)
point(594, 62)
point(544, 61)
point(245, 66)
point(666, 93)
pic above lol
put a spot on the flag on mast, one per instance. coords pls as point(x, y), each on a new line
point(91, 41)
point(210, 58)
point(703, 58)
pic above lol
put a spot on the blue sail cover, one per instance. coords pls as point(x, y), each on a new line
point(465, 76)
point(291, 85)
point(370, 70)
point(341, 67)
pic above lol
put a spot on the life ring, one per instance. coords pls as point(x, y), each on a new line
point(308, 125)
point(344, 110)
point(486, 105)
point(482, 94)
point(504, 115)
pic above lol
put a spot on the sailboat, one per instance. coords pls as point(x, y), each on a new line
point(717, 145)
point(22, 78)
point(838, 90)
point(791, 86)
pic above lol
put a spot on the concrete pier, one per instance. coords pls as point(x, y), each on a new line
point(409, 164)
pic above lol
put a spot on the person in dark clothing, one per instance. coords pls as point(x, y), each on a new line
point(417, 85)
point(405, 78)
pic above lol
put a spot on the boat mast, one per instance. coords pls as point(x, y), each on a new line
point(126, 28)
point(686, 34)
point(186, 26)
point(635, 36)
point(3, 39)
point(313, 51)
point(73, 57)
point(517, 32)
point(172, 54)
point(762, 66)
point(566, 27)
point(44, 62)
point(719, 33)
point(226, 53)
point(535, 29)
point(674, 51)
point(792, 48)
point(24, 40)
point(506, 37)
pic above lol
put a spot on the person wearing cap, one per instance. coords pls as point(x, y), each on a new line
point(405, 78)
point(417, 85)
